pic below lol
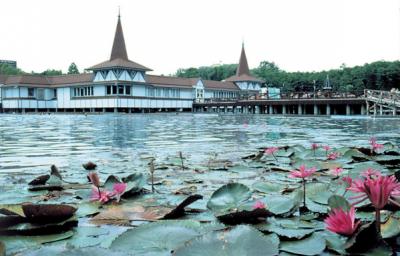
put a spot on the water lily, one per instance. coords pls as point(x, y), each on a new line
point(118, 190)
point(259, 205)
point(341, 222)
point(271, 151)
point(303, 173)
point(380, 190)
point(326, 148)
point(375, 147)
point(371, 173)
point(101, 196)
point(336, 171)
point(333, 155)
point(314, 147)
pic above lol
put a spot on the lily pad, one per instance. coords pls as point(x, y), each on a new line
point(241, 240)
point(228, 197)
point(312, 245)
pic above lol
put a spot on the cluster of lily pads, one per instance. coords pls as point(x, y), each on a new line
point(305, 200)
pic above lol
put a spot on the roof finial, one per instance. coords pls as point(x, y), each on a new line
point(119, 12)
point(242, 42)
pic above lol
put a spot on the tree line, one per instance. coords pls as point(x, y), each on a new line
point(379, 75)
point(6, 69)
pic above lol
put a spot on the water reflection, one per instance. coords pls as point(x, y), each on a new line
point(30, 143)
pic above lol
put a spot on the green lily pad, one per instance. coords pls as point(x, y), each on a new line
point(336, 201)
point(241, 240)
point(228, 197)
point(312, 245)
point(390, 228)
point(268, 187)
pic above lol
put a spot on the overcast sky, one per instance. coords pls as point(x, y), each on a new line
point(298, 35)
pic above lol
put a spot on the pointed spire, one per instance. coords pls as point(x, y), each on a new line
point(119, 49)
point(243, 67)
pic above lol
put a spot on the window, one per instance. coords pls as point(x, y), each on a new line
point(80, 91)
point(114, 91)
point(40, 94)
point(31, 92)
point(120, 89)
point(55, 94)
point(108, 92)
point(128, 90)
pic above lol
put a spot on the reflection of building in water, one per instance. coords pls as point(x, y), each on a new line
point(119, 84)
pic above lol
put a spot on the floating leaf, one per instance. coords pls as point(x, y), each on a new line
point(338, 202)
point(228, 197)
point(390, 228)
point(48, 213)
point(241, 240)
point(313, 245)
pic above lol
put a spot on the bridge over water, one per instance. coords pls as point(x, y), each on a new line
point(371, 102)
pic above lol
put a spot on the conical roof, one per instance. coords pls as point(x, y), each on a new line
point(119, 49)
point(119, 55)
point(243, 71)
point(243, 67)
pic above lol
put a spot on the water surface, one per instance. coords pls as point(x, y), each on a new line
point(29, 144)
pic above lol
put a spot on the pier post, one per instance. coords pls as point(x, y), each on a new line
point(315, 109)
point(271, 110)
point(374, 109)
point(257, 109)
point(367, 107)
point(328, 109)
point(284, 110)
point(362, 110)
point(348, 110)
point(225, 109)
point(394, 110)
point(381, 110)
point(299, 110)
point(115, 110)
point(129, 110)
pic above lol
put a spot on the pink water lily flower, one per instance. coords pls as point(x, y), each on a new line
point(348, 180)
point(101, 196)
point(380, 190)
point(371, 172)
point(374, 145)
point(336, 171)
point(341, 222)
point(271, 150)
point(302, 172)
point(326, 148)
point(333, 155)
point(314, 146)
point(259, 205)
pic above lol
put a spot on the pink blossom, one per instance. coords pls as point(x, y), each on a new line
point(380, 190)
point(341, 222)
point(302, 172)
point(271, 150)
point(337, 171)
point(327, 148)
point(101, 196)
point(314, 146)
point(119, 188)
point(371, 172)
point(333, 155)
point(374, 145)
point(259, 205)
point(245, 125)
point(348, 180)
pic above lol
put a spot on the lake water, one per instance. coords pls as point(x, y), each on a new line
point(29, 144)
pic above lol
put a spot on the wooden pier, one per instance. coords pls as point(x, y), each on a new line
point(307, 106)
point(382, 102)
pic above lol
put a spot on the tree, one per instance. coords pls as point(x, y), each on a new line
point(51, 72)
point(73, 69)
point(6, 69)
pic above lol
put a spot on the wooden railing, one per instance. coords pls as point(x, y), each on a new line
point(388, 98)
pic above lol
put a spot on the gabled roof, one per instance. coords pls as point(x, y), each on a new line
point(243, 71)
point(27, 79)
point(71, 79)
point(119, 55)
point(170, 81)
point(217, 85)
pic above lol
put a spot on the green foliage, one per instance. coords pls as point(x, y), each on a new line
point(6, 69)
point(51, 72)
point(380, 75)
point(73, 69)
